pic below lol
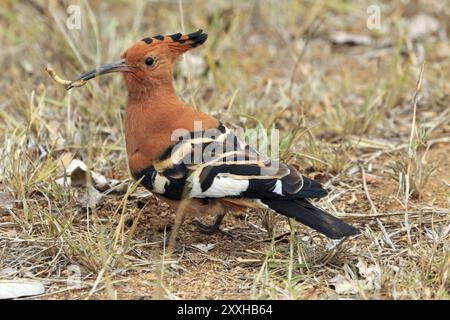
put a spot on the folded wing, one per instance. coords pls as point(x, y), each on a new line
point(219, 165)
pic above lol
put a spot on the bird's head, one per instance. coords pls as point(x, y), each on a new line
point(149, 62)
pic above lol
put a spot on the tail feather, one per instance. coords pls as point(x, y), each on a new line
point(304, 212)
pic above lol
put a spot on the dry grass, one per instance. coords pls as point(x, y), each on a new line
point(345, 114)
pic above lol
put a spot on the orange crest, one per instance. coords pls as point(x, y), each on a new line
point(178, 42)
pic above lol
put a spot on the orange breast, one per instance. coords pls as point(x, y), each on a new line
point(149, 126)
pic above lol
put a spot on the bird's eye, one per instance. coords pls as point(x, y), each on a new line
point(149, 61)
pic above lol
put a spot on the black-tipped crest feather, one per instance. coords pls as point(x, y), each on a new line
point(193, 39)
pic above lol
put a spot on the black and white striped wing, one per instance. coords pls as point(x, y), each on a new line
point(220, 165)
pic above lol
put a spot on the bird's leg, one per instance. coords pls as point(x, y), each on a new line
point(213, 227)
point(180, 215)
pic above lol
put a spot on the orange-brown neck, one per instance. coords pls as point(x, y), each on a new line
point(151, 116)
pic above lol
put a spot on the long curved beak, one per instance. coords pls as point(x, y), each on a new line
point(117, 66)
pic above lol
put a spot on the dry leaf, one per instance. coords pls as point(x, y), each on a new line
point(315, 175)
point(372, 275)
point(91, 199)
point(77, 171)
point(371, 179)
point(176, 267)
point(77, 176)
point(10, 289)
point(53, 126)
point(64, 160)
point(6, 202)
point(204, 247)
point(344, 38)
point(27, 66)
point(353, 199)
point(141, 194)
point(422, 25)
point(193, 64)
point(8, 271)
point(342, 285)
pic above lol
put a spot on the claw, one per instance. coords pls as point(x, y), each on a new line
point(213, 228)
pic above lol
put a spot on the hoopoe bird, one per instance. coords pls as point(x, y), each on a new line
point(229, 175)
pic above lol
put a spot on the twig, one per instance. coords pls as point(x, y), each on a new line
point(309, 36)
point(325, 259)
point(411, 152)
point(386, 235)
point(366, 190)
point(390, 214)
point(413, 124)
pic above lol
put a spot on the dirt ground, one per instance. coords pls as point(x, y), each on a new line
point(228, 270)
point(342, 95)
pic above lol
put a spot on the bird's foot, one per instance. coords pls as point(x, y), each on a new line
point(213, 228)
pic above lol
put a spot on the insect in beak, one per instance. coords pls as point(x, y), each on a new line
point(117, 66)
